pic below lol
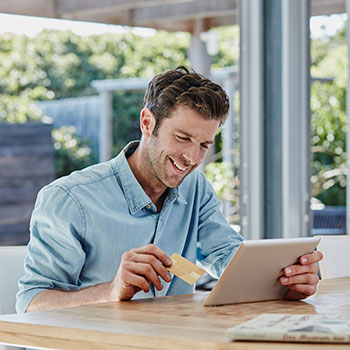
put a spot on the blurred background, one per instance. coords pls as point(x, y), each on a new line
point(71, 90)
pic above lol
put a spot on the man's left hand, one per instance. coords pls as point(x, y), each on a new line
point(302, 278)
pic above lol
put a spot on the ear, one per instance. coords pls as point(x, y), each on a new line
point(147, 122)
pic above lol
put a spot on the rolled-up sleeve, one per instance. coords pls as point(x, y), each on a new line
point(55, 254)
point(217, 240)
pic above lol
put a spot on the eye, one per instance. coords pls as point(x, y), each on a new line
point(182, 138)
point(204, 145)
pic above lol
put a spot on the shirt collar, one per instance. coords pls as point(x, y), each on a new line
point(135, 196)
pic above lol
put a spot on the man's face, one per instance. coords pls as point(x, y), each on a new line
point(180, 145)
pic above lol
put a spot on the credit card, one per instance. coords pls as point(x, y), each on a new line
point(184, 269)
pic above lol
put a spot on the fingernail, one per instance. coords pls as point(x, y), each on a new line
point(169, 277)
point(169, 262)
point(303, 260)
point(284, 279)
point(288, 271)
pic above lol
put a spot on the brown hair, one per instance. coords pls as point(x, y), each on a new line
point(187, 88)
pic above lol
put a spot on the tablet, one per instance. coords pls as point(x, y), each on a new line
point(253, 272)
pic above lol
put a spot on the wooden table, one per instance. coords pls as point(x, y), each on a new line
point(179, 322)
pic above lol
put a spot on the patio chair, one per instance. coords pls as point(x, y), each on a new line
point(11, 269)
point(336, 260)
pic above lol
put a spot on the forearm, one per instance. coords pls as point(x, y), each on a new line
point(56, 299)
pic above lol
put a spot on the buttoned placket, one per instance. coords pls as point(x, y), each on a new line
point(158, 231)
point(159, 219)
point(160, 225)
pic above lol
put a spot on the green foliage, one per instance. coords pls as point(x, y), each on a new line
point(228, 54)
point(15, 109)
point(71, 153)
point(225, 184)
point(58, 64)
point(126, 125)
point(220, 174)
point(328, 124)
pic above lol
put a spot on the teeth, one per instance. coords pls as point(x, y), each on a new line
point(178, 166)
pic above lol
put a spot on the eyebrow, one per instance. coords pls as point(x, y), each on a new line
point(189, 135)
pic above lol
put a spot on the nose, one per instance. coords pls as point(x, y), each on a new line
point(192, 155)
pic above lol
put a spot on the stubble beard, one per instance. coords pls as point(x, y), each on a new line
point(156, 168)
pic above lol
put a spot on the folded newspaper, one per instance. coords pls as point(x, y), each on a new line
point(293, 328)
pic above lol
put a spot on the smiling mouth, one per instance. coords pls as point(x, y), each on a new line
point(178, 166)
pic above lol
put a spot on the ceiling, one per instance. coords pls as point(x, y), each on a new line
point(159, 14)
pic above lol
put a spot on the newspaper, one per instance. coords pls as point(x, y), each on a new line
point(293, 328)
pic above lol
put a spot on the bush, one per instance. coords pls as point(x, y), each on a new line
point(226, 186)
point(15, 109)
point(328, 123)
point(71, 153)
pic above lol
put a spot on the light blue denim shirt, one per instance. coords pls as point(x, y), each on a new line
point(83, 223)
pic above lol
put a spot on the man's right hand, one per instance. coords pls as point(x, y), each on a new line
point(138, 268)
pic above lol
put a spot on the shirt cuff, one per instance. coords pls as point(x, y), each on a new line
point(25, 298)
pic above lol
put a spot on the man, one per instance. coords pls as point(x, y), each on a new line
point(105, 233)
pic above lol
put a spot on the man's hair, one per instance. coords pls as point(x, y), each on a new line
point(184, 87)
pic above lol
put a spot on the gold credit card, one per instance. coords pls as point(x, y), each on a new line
point(184, 269)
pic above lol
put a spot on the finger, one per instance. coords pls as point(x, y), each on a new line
point(306, 278)
point(311, 258)
point(293, 295)
point(157, 252)
point(138, 255)
point(145, 270)
point(305, 284)
point(300, 269)
point(135, 281)
point(155, 263)
point(304, 289)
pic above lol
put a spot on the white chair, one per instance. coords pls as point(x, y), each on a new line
point(11, 269)
point(336, 256)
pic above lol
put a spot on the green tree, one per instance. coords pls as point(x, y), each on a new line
point(57, 64)
point(328, 106)
point(71, 153)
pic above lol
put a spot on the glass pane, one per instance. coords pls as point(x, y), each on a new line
point(328, 123)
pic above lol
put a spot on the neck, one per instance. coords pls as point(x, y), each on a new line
point(155, 190)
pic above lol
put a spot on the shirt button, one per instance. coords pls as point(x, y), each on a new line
point(160, 223)
point(148, 206)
